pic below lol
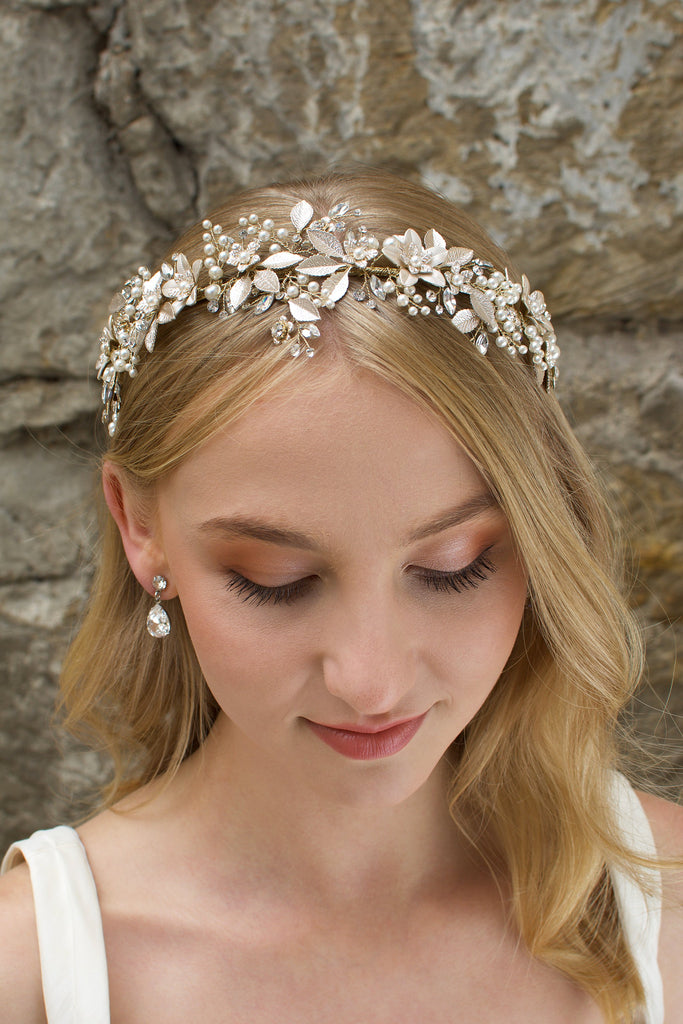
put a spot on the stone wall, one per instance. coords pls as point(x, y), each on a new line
point(558, 125)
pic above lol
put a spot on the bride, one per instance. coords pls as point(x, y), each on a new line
point(357, 649)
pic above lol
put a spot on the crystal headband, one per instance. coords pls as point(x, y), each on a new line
point(310, 269)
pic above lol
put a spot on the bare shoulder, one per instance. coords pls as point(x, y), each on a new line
point(666, 820)
point(21, 996)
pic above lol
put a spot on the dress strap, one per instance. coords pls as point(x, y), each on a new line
point(640, 907)
point(71, 942)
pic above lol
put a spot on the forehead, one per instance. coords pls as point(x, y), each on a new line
point(333, 444)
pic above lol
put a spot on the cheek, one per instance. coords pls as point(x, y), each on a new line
point(480, 641)
point(244, 662)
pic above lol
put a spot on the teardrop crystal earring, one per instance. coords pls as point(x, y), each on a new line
point(158, 622)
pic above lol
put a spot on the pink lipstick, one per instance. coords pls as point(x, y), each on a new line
point(364, 745)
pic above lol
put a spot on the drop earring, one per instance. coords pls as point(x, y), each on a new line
point(158, 622)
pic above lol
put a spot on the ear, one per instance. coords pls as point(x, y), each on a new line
point(137, 527)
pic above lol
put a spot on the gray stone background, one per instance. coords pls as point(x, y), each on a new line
point(558, 124)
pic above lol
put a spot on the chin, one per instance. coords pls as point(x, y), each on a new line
point(375, 784)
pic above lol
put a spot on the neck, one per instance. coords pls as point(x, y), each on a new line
point(295, 839)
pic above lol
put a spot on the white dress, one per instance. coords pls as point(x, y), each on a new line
point(73, 958)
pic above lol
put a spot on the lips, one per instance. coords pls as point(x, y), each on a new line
point(364, 744)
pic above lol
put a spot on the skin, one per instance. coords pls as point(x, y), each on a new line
point(274, 871)
point(368, 642)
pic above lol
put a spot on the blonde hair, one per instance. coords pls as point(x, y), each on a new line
point(531, 772)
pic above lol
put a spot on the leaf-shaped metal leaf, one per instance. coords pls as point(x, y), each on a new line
point(301, 214)
point(458, 255)
point(335, 287)
point(466, 321)
point(267, 281)
point(151, 336)
point(239, 291)
point(166, 313)
point(484, 308)
point(303, 309)
point(325, 242)
point(279, 260)
point(318, 266)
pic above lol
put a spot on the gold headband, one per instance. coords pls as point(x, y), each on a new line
point(310, 269)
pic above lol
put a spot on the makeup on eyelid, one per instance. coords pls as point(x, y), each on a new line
point(469, 577)
point(274, 565)
point(258, 555)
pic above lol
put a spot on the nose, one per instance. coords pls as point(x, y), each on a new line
point(369, 659)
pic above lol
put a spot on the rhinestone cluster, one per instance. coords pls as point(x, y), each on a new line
point(308, 267)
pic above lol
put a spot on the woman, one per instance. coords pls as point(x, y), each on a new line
point(365, 761)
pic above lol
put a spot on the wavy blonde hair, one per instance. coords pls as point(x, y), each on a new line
point(531, 772)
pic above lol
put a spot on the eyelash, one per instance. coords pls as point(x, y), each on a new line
point(467, 578)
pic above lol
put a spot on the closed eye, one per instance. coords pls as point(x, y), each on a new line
point(467, 578)
point(256, 593)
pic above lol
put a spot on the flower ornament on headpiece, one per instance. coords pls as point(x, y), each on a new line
point(310, 270)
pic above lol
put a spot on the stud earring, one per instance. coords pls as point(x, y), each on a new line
point(158, 622)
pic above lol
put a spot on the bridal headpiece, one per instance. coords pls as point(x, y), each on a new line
point(308, 268)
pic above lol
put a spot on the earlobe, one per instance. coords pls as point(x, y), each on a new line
point(143, 550)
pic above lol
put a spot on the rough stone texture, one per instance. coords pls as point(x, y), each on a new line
point(631, 422)
point(559, 126)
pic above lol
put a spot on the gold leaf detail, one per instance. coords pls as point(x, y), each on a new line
point(239, 291)
point(335, 287)
point(166, 313)
point(151, 336)
point(466, 321)
point(301, 214)
point(280, 260)
point(325, 242)
point(267, 281)
point(484, 309)
point(318, 266)
point(458, 255)
point(302, 309)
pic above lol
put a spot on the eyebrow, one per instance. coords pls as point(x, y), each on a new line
point(474, 506)
point(260, 529)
